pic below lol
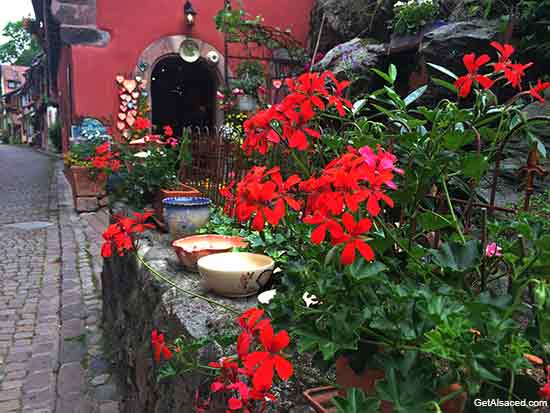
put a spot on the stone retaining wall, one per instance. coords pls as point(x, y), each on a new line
point(135, 303)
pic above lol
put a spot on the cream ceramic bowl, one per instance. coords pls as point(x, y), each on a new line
point(235, 274)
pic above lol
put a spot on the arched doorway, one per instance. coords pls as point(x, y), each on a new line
point(183, 94)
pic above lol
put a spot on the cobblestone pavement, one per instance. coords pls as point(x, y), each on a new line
point(52, 356)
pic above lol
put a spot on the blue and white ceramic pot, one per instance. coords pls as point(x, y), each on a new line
point(186, 215)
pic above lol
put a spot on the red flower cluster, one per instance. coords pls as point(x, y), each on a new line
point(288, 121)
point(142, 123)
point(358, 177)
point(512, 72)
point(105, 159)
point(262, 194)
point(118, 236)
point(159, 346)
point(258, 367)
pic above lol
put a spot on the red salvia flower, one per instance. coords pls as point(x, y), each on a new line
point(464, 83)
point(159, 346)
point(352, 239)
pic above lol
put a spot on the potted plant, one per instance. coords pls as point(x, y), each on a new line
point(152, 173)
point(250, 77)
point(85, 179)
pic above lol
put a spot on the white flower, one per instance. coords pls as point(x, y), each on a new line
point(143, 154)
point(267, 296)
point(398, 4)
point(309, 299)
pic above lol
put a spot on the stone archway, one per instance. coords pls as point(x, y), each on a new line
point(168, 47)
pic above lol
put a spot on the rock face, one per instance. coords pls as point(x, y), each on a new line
point(356, 56)
point(135, 303)
point(444, 44)
point(448, 43)
point(347, 19)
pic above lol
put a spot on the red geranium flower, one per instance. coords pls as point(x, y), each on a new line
point(544, 391)
point(325, 224)
point(168, 131)
point(142, 123)
point(536, 91)
point(140, 220)
point(264, 363)
point(464, 83)
point(352, 239)
point(159, 346)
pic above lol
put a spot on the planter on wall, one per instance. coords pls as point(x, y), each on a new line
point(346, 378)
point(247, 103)
point(181, 191)
point(186, 215)
point(84, 183)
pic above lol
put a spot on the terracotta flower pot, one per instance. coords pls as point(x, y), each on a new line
point(85, 183)
point(181, 191)
point(347, 378)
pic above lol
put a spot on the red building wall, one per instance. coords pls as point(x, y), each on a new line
point(135, 25)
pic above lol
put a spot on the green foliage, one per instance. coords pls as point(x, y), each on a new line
point(153, 169)
point(430, 299)
point(55, 137)
point(20, 48)
point(250, 76)
point(411, 16)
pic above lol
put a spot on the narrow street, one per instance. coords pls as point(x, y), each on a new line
point(51, 349)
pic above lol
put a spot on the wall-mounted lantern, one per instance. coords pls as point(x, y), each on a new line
point(190, 13)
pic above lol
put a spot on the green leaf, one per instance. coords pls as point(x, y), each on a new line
point(356, 401)
point(455, 140)
point(431, 221)
point(382, 75)
point(458, 257)
point(362, 269)
point(445, 84)
point(543, 243)
point(358, 105)
point(475, 165)
point(415, 95)
point(443, 70)
point(392, 71)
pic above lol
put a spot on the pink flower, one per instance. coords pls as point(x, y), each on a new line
point(493, 250)
point(238, 92)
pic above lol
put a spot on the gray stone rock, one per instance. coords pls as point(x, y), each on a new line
point(448, 43)
point(357, 56)
point(86, 204)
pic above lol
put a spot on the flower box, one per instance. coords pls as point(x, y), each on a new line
point(84, 183)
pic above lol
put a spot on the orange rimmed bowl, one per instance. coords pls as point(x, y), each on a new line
point(190, 249)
